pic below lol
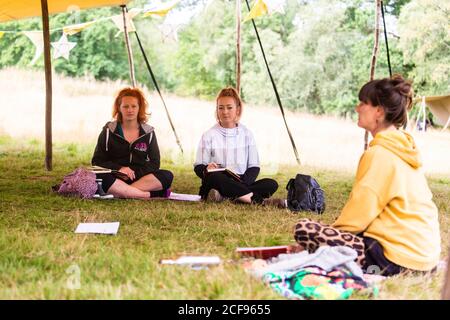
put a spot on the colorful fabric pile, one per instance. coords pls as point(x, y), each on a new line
point(328, 273)
point(316, 283)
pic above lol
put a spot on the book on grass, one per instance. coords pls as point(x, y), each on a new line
point(228, 171)
point(117, 173)
point(262, 252)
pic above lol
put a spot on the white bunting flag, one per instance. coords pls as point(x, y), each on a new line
point(62, 47)
point(37, 39)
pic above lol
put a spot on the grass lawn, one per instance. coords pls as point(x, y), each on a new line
point(40, 255)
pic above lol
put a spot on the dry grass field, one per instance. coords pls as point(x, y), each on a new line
point(82, 106)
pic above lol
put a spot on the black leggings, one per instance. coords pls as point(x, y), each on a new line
point(164, 176)
point(230, 188)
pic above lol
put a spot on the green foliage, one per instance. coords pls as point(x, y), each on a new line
point(205, 58)
point(425, 42)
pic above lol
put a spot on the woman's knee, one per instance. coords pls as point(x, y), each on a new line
point(165, 177)
point(272, 185)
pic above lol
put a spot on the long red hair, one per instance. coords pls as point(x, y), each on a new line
point(131, 92)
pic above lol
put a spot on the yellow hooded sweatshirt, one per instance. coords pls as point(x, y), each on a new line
point(392, 203)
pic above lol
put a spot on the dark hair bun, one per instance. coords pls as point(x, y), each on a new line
point(404, 88)
point(393, 94)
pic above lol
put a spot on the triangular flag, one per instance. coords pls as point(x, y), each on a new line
point(37, 38)
point(259, 9)
point(275, 6)
point(118, 21)
point(134, 12)
point(169, 31)
point(160, 9)
point(62, 47)
point(75, 28)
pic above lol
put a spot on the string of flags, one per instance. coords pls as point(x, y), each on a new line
point(63, 46)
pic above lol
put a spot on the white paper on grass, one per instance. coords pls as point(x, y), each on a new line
point(193, 260)
point(103, 228)
point(184, 197)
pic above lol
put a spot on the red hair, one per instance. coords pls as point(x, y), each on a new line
point(142, 102)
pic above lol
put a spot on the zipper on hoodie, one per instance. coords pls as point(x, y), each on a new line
point(129, 148)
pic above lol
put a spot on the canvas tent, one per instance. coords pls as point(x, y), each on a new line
point(439, 107)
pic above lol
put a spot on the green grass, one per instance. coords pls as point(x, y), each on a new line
point(40, 255)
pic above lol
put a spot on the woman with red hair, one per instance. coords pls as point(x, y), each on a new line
point(128, 144)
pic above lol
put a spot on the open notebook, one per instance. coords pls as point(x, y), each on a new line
point(228, 171)
point(97, 169)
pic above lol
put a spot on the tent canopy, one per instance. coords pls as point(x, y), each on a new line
point(439, 107)
point(13, 9)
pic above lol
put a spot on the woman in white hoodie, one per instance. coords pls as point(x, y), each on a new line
point(229, 144)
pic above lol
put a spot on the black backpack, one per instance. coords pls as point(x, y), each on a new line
point(305, 194)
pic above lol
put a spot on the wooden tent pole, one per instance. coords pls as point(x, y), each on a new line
point(377, 36)
point(419, 113)
point(127, 42)
point(374, 56)
point(238, 46)
point(424, 122)
point(446, 124)
point(48, 86)
point(446, 288)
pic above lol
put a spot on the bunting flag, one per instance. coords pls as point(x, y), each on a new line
point(75, 28)
point(275, 6)
point(168, 31)
point(263, 7)
point(62, 47)
point(134, 12)
point(159, 9)
point(259, 9)
point(118, 21)
point(37, 39)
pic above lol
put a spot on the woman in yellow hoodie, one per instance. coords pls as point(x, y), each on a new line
point(390, 218)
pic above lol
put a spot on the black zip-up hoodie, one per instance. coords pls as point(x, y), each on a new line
point(114, 152)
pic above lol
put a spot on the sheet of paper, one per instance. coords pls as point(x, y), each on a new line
point(184, 197)
point(103, 228)
point(193, 260)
